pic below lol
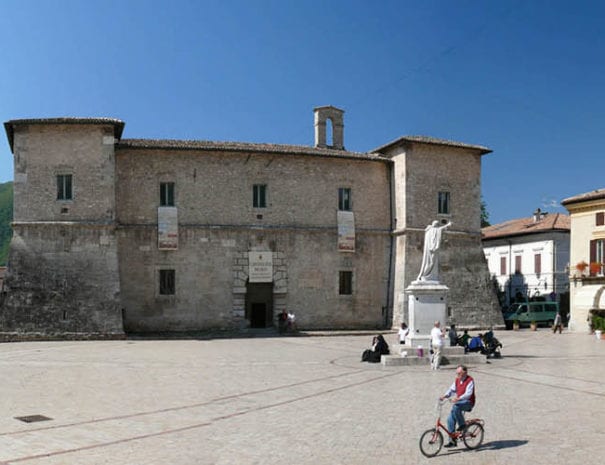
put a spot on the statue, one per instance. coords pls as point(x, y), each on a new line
point(429, 270)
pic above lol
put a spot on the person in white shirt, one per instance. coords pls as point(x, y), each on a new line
point(436, 343)
point(403, 333)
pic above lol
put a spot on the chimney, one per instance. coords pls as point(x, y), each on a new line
point(539, 215)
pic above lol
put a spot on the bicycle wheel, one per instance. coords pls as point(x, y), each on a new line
point(473, 435)
point(431, 442)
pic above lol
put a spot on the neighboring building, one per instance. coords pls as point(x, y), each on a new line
point(114, 235)
point(587, 256)
point(529, 257)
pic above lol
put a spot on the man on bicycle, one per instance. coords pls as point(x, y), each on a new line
point(463, 389)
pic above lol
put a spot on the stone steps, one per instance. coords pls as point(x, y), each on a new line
point(449, 356)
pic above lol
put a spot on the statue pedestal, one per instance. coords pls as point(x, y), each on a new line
point(427, 303)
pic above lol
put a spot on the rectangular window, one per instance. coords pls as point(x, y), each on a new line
point(518, 264)
point(167, 282)
point(600, 218)
point(443, 203)
point(538, 263)
point(64, 187)
point(166, 194)
point(259, 196)
point(345, 285)
point(502, 266)
point(597, 256)
point(344, 199)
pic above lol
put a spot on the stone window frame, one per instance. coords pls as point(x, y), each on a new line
point(167, 193)
point(260, 195)
point(444, 202)
point(64, 174)
point(161, 273)
point(345, 284)
point(345, 204)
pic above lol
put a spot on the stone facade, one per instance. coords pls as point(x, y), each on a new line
point(62, 277)
point(91, 264)
point(424, 168)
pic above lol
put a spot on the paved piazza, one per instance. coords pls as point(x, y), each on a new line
point(291, 400)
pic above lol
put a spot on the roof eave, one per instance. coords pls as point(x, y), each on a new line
point(409, 140)
point(9, 126)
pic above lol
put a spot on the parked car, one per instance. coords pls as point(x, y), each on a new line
point(526, 312)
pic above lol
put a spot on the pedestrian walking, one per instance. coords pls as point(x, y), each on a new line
point(558, 323)
point(437, 344)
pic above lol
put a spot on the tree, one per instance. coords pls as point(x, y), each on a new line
point(6, 217)
point(484, 214)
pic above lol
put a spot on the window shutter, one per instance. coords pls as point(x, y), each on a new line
point(593, 251)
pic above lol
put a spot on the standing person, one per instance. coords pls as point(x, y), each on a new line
point(403, 333)
point(437, 344)
point(558, 324)
point(452, 335)
point(463, 390)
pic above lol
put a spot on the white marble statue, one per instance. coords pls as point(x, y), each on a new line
point(429, 270)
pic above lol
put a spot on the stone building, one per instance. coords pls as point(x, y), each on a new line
point(140, 235)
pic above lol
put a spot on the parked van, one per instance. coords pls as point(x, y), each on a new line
point(526, 312)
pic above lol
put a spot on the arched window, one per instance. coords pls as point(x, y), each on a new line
point(329, 132)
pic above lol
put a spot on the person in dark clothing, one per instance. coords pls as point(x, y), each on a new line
point(452, 335)
point(379, 347)
point(282, 321)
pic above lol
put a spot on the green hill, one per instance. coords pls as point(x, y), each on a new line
point(6, 217)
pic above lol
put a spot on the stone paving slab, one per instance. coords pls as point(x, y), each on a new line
point(295, 400)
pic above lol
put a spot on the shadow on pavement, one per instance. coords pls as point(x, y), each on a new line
point(495, 445)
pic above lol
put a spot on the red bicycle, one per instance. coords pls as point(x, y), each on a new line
point(431, 440)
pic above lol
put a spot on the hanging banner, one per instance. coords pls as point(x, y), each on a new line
point(346, 231)
point(260, 267)
point(168, 228)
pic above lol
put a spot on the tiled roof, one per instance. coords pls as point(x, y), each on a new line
point(592, 195)
point(552, 222)
point(434, 141)
point(9, 126)
point(166, 144)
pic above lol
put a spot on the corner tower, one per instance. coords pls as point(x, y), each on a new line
point(63, 274)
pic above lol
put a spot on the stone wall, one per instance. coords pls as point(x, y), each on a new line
point(420, 172)
point(218, 226)
point(215, 188)
point(211, 269)
point(41, 152)
point(62, 280)
point(62, 276)
point(87, 264)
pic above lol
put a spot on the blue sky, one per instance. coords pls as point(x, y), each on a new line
point(525, 78)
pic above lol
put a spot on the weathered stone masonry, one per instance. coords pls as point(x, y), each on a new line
point(90, 265)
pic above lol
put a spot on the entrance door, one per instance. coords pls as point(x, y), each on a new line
point(259, 304)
